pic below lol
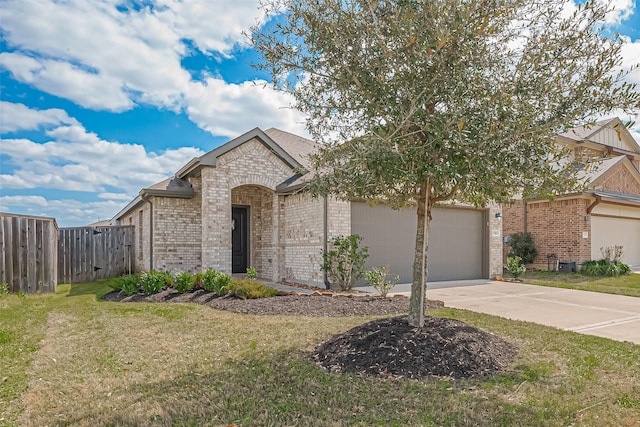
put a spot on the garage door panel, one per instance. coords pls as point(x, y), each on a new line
point(612, 231)
point(455, 243)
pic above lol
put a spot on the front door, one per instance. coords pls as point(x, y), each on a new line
point(239, 239)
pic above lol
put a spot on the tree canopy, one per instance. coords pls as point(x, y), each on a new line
point(419, 101)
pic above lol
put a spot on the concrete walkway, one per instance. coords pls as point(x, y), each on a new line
point(611, 316)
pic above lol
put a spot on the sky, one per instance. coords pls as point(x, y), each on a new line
point(100, 98)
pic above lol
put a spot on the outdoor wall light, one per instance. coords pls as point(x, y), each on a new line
point(498, 215)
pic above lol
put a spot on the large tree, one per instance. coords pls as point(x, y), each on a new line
point(421, 101)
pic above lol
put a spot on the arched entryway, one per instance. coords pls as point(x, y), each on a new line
point(253, 234)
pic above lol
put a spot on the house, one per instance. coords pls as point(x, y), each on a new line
point(243, 204)
point(575, 226)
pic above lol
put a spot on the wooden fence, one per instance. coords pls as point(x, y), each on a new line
point(28, 253)
point(90, 253)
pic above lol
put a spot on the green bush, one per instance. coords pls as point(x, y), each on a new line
point(198, 280)
point(344, 262)
point(251, 289)
point(515, 266)
point(602, 267)
point(216, 282)
point(252, 273)
point(183, 282)
point(522, 246)
point(154, 281)
point(4, 289)
point(129, 284)
point(378, 279)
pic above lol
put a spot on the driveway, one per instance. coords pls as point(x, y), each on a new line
point(611, 316)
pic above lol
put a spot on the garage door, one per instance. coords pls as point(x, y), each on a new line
point(456, 243)
point(612, 231)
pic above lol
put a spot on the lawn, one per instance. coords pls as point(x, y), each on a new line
point(622, 285)
point(70, 359)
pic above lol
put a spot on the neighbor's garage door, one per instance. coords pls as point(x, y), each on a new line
point(612, 231)
point(456, 241)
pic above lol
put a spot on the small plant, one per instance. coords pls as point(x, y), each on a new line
point(344, 262)
point(252, 273)
point(4, 289)
point(378, 279)
point(198, 280)
point(183, 282)
point(128, 284)
point(515, 266)
point(608, 265)
point(154, 281)
point(216, 282)
point(251, 289)
point(522, 246)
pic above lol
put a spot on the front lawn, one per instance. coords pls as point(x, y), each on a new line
point(69, 359)
point(622, 285)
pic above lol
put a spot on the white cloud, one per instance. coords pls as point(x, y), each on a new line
point(622, 10)
point(631, 57)
point(20, 117)
point(75, 159)
point(229, 109)
point(73, 212)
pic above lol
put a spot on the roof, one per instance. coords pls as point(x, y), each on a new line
point(591, 134)
point(600, 169)
point(210, 158)
point(298, 147)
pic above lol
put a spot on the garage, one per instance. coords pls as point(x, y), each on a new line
point(611, 226)
point(457, 243)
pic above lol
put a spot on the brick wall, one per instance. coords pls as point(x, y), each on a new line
point(177, 232)
point(301, 237)
point(556, 227)
point(250, 164)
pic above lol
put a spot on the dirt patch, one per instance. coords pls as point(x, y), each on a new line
point(443, 347)
point(289, 305)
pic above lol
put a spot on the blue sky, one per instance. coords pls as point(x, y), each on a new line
point(100, 98)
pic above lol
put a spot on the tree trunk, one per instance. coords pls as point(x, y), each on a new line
point(419, 284)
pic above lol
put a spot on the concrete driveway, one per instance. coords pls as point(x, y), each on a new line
point(610, 316)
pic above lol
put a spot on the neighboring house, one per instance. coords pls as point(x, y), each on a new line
point(575, 226)
point(243, 204)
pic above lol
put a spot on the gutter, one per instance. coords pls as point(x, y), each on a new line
point(325, 209)
point(594, 204)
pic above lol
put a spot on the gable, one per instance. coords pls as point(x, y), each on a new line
point(616, 138)
point(621, 178)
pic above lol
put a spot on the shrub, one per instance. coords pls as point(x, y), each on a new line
point(515, 266)
point(154, 281)
point(198, 280)
point(522, 246)
point(4, 289)
point(608, 265)
point(129, 284)
point(344, 262)
point(183, 282)
point(378, 278)
point(252, 273)
point(251, 289)
point(216, 282)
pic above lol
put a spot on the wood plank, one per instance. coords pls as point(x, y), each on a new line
point(40, 258)
point(3, 250)
point(30, 256)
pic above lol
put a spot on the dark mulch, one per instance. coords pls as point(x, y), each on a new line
point(290, 305)
point(443, 347)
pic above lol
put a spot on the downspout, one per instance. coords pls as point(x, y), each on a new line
point(150, 234)
point(525, 214)
point(325, 210)
point(594, 204)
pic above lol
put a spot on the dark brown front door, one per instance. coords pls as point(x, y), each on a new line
point(239, 240)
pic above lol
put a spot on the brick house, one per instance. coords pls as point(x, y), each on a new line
point(575, 226)
point(244, 204)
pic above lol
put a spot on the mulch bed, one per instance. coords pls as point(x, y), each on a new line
point(287, 305)
point(443, 347)
point(387, 347)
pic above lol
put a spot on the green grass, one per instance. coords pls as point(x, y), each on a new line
point(622, 285)
point(70, 359)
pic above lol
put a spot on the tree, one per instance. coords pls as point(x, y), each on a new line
point(421, 101)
